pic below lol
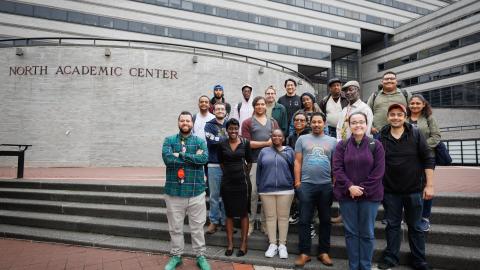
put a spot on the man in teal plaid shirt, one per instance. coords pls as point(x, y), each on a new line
point(185, 155)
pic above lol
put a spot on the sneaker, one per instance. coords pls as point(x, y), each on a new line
point(293, 218)
point(271, 251)
point(425, 224)
point(173, 263)
point(282, 251)
point(312, 231)
point(385, 265)
point(202, 263)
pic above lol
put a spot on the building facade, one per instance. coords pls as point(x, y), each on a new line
point(169, 52)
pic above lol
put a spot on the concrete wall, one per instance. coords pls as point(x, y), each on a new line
point(103, 120)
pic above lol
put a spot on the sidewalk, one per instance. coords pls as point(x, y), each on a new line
point(446, 180)
point(28, 255)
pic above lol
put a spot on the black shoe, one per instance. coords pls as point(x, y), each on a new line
point(423, 267)
point(241, 253)
point(385, 265)
point(228, 252)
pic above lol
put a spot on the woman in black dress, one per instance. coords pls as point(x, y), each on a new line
point(235, 159)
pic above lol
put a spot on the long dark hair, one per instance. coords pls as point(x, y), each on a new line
point(426, 111)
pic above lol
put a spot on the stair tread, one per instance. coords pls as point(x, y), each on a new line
point(445, 250)
point(85, 193)
point(255, 257)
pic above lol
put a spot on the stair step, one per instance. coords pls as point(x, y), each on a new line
point(121, 198)
point(255, 257)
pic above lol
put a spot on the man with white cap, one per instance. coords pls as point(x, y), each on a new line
point(352, 93)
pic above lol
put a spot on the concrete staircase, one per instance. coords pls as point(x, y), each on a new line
point(125, 216)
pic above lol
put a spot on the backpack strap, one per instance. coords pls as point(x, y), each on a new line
point(239, 106)
point(194, 117)
point(405, 94)
point(372, 145)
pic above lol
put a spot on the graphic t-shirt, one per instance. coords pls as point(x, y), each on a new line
point(317, 154)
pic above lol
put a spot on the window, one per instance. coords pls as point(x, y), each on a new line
point(187, 5)
point(160, 30)
point(42, 12)
point(187, 34)
point(59, 15)
point(75, 17)
point(198, 36)
point(90, 19)
point(135, 26)
point(105, 22)
point(120, 24)
point(23, 9)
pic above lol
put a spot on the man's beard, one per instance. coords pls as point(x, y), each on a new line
point(189, 130)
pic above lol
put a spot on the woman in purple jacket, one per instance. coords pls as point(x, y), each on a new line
point(358, 168)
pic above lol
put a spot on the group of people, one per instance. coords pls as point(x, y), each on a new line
point(296, 154)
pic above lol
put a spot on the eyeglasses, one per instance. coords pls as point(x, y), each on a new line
point(389, 78)
point(354, 123)
point(299, 120)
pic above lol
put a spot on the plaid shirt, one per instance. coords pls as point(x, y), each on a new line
point(190, 161)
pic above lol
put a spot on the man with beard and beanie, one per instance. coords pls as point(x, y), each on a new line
point(218, 96)
point(244, 109)
point(332, 105)
point(184, 155)
point(215, 132)
point(408, 179)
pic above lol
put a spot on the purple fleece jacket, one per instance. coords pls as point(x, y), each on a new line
point(355, 165)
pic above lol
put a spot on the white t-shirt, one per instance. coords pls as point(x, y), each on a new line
point(358, 106)
point(199, 125)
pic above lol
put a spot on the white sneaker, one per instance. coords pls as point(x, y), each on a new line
point(271, 251)
point(282, 252)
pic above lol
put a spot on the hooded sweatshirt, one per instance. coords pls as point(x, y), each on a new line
point(246, 111)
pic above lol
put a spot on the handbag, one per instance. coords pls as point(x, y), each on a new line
point(442, 157)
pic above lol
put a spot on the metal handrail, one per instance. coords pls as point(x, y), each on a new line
point(459, 128)
point(467, 154)
point(29, 42)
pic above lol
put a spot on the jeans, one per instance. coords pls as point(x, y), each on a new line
point(332, 131)
point(359, 225)
point(217, 211)
point(427, 208)
point(411, 204)
point(313, 196)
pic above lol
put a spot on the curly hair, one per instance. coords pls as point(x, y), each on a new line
point(426, 111)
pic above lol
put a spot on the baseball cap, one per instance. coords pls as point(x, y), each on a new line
point(397, 106)
point(218, 86)
point(351, 83)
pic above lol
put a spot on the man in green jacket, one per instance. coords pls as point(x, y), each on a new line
point(185, 154)
point(380, 100)
point(276, 110)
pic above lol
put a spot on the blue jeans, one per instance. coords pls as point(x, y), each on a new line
point(411, 204)
point(427, 208)
point(309, 197)
point(359, 225)
point(217, 211)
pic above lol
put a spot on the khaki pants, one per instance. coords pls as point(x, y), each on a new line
point(196, 209)
point(277, 209)
point(254, 197)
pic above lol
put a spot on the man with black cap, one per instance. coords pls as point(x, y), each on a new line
point(332, 105)
point(408, 178)
point(244, 109)
point(218, 96)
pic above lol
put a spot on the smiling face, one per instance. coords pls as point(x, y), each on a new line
point(290, 88)
point(260, 107)
point(358, 124)
point(218, 93)
point(416, 105)
point(232, 132)
point(317, 124)
point(277, 137)
point(335, 89)
point(203, 103)
point(185, 124)
point(396, 117)
point(299, 122)
point(219, 111)
point(307, 103)
point(270, 96)
point(246, 92)
point(389, 82)
point(351, 93)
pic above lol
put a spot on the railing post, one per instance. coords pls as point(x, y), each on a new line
point(476, 152)
point(461, 151)
point(21, 160)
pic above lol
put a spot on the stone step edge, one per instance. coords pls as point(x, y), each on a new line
point(157, 246)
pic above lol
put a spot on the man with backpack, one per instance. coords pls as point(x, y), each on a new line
point(332, 105)
point(380, 100)
point(244, 109)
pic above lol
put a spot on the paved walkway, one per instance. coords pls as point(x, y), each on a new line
point(447, 179)
point(28, 255)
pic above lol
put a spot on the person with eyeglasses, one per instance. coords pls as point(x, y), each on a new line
point(380, 100)
point(358, 168)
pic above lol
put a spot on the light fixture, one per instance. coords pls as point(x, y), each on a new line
point(261, 70)
point(107, 52)
point(300, 82)
point(19, 51)
point(195, 59)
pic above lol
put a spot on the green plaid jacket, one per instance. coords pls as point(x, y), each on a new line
point(192, 163)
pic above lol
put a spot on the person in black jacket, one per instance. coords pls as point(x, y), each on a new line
point(408, 179)
point(291, 101)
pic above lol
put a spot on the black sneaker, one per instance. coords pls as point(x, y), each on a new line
point(385, 265)
point(293, 219)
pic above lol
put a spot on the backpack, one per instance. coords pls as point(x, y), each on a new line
point(239, 106)
point(404, 92)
